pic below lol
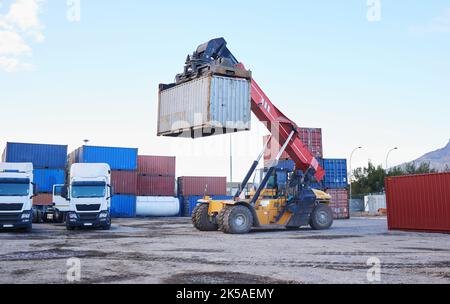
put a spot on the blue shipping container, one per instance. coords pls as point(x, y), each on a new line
point(285, 165)
point(117, 158)
point(46, 178)
point(335, 173)
point(123, 206)
point(189, 203)
point(42, 156)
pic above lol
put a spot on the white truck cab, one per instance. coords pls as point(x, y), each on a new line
point(16, 196)
point(61, 206)
point(89, 194)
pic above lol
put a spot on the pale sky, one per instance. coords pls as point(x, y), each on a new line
point(376, 84)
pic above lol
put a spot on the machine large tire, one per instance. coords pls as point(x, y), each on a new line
point(201, 219)
point(237, 220)
point(321, 217)
point(220, 219)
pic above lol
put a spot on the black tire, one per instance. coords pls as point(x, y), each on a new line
point(220, 218)
point(107, 227)
point(28, 229)
point(321, 217)
point(237, 220)
point(202, 220)
point(39, 218)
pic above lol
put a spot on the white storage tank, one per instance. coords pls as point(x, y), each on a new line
point(156, 206)
point(209, 105)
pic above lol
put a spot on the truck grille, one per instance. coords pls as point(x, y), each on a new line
point(9, 218)
point(88, 207)
point(11, 207)
point(88, 216)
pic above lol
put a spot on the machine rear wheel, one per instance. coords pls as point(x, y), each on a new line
point(202, 220)
point(237, 220)
point(321, 217)
point(220, 219)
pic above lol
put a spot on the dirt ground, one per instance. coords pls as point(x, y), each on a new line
point(172, 251)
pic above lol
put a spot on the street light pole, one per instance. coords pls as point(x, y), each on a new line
point(387, 157)
point(351, 172)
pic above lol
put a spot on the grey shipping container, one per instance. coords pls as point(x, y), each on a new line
point(209, 105)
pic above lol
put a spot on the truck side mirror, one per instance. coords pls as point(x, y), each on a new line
point(111, 192)
point(65, 192)
point(35, 190)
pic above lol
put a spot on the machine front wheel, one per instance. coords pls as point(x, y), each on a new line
point(202, 220)
point(237, 220)
point(321, 217)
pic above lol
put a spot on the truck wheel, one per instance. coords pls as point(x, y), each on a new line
point(107, 226)
point(237, 220)
point(321, 217)
point(39, 218)
point(28, 229)
point(202, 220)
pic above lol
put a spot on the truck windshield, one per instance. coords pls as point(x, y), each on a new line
point(14, 187)
point(88, 190)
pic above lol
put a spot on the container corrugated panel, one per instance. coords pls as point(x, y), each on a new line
point(116, 158)
point(311, 138)
point(202, 185)
point(335, 173)
point(340, 203)
point(156, 165)
point(419, 203)
point(41, 155)
point(155, 185)
point(46, 178)
point(217, 102)
point(283, 165)
point(123, 206)
point(190, 202)
point(124, 182)
point(43, 199)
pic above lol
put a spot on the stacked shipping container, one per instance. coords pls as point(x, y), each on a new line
point(335, 181)
point(339, 203)
point(311, 137)
point(156, 186)
point(156, 176)
point(335, 173)
point(49, 163)
point(193, 188)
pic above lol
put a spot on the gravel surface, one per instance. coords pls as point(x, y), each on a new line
point(172, 251)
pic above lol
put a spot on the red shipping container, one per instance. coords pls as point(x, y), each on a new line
point(155, 185)
point(311, 138)
point(340, 203)
point(156, 165)
point(419, 203)
point(43, 200)
point(196, 185)
point(124, 182)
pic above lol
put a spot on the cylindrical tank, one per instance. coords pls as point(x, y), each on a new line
point(154, 206)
